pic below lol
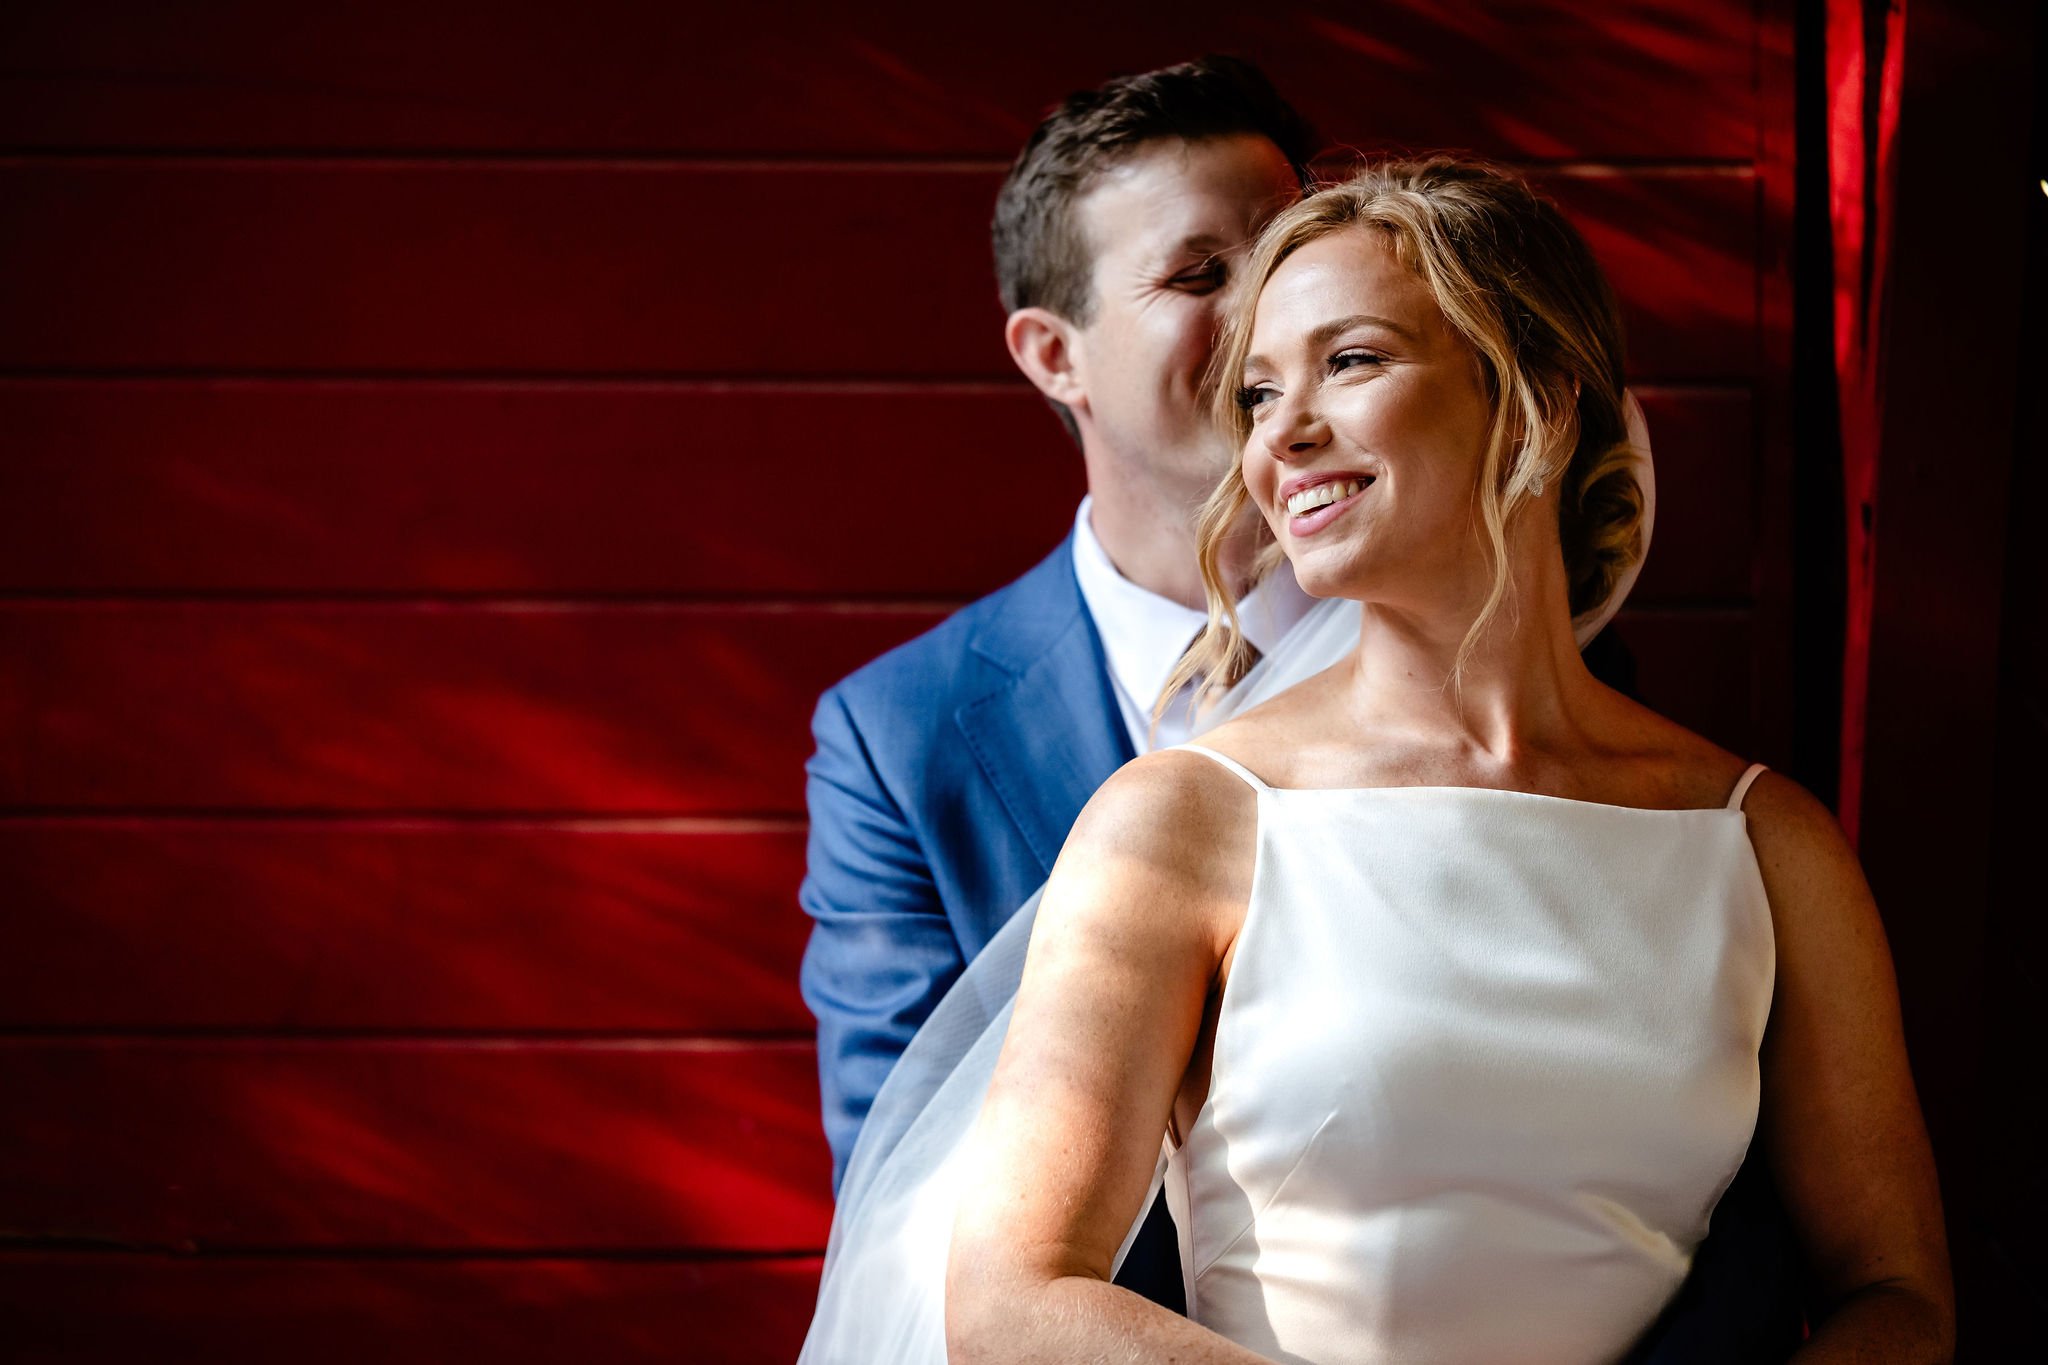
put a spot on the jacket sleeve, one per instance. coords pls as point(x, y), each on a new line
point(882, 951)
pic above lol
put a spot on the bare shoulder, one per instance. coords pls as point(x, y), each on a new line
point(1168, 843)
point(1170, 807)
point(1823, 917)
point(1293, 739)
point(1784, 812)
point(1667, 764)
point(1805, 858)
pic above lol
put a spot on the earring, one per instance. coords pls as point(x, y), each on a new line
point(1536, 484)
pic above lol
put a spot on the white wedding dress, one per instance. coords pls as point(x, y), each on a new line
point(1494, 1130)
point(1484, 1065)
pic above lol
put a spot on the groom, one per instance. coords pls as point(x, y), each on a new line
point(949, 771)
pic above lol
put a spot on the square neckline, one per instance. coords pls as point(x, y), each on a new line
point(1733, 806)
point(1507, 791)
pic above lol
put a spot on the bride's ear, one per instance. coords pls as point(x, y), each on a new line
point(1046, 348)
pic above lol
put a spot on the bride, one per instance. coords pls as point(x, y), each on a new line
point(1457, 983)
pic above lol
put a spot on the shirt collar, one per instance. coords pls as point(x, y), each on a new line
point(1145, 634)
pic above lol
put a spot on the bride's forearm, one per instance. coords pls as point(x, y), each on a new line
point(1080, 1320)
point(1882, 1322)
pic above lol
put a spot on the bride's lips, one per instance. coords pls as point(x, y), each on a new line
point(1308, 523)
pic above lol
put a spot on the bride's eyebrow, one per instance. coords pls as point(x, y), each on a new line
point(1324, 333)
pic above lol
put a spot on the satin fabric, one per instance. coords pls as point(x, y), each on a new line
point(1484, 1065)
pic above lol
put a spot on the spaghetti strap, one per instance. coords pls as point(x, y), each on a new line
point(1230, 763)
point(1754, 771)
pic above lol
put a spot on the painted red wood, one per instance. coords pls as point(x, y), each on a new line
point(618, 205)
point(255, 924)
point(379, 1144)
point(1705, 541)
point(649, 709)
point(528, 267)
point(813, 272)
point(108, 1309)
point(184, 486)
point(595, 709)
point(1575, 78)
point(1699, 668)
point(363, 487)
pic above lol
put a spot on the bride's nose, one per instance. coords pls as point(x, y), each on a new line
point(1297, 429)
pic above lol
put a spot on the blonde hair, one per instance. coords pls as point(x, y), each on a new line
point(1518, 283)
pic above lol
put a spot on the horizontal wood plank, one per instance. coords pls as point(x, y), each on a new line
point(607, 710)
point(433, 268)
point(111, 1309)
point(284, 926)
point(1654, 78)
point(404, 1144)
point(340, 707)
point(750, 491)
point(191, 486)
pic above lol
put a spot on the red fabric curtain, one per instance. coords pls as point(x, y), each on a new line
point(1865, 61)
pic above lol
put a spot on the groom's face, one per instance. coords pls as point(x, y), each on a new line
point(1167, 227)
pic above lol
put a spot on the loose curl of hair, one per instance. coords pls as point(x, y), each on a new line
point(1518, 283)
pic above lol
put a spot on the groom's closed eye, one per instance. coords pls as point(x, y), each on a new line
point(1205, 278)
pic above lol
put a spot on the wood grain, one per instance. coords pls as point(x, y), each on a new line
point(586, 709)
point(293, 926)
point(407, 1143)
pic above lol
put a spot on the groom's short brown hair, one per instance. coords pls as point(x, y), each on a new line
point(1043, 259)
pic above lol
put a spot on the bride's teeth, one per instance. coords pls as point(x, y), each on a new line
point(1322, 495)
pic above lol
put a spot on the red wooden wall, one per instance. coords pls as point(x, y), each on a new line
point(444, 449)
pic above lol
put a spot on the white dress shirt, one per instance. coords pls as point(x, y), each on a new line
point(1144, 634)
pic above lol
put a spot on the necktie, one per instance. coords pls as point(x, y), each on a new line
point(1179, 718)
point(1250, 658)
point(1247, 661)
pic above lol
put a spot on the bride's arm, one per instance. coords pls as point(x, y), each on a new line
point(1136, 918)
point(1840, 1118)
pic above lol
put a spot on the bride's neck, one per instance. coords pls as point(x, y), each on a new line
point(1522, 686)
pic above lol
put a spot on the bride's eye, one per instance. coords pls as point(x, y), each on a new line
point(1249, 399)
point(1351, 359)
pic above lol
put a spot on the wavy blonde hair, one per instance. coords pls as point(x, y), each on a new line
point(1519, 284)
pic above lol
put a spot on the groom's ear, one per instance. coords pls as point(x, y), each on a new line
point(1047, 348)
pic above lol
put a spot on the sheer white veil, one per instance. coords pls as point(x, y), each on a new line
point(882, 1297)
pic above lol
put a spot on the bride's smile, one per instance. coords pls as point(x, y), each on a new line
point(1315, 500)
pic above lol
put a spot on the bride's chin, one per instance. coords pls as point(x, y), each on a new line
point(1327, 575)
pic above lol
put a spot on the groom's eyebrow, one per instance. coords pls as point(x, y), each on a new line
point(1200, 244)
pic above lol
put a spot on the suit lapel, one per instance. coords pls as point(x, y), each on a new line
point(1052, 735)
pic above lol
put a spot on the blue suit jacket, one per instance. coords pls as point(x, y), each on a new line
point(946, 777)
